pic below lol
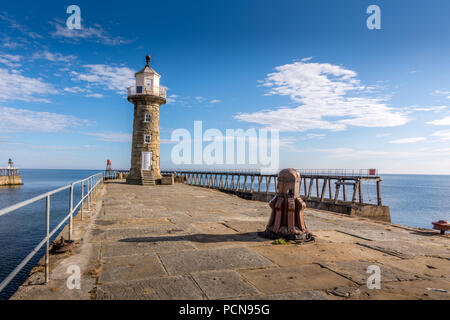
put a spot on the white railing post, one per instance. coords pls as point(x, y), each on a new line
point(82, 200)
point(88, 194)
point(47, 235)
point(71, 212)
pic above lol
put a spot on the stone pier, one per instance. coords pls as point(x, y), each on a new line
point(10, 180)
point(186, 242)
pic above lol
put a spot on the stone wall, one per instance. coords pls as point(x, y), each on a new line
point(10, 180)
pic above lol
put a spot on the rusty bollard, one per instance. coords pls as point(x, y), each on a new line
point(441, 225)
point(61, 246)
point(287, 220)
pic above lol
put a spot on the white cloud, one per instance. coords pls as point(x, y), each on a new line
point(107, 77)
point(10, 60)
point(442, 122)
point(382, 135)
point(53, 57)
point(75, 90)
point(429, 109)
point(23, 120)
point(330, 98)
point(443, 134)
point(13, 24)
point(215, 101)
point(14, 86)
point(315, 135)
point(111, 136)
point(94, 95)
point(307, 59)
point(408, 140)
point(440, 92)
point(95, 33)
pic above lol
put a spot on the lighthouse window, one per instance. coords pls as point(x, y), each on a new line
point(148, 117)
point(148, 138)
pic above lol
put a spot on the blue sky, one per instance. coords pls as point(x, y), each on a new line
point(342, 96)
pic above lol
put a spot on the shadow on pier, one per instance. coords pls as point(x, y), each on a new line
point(204, 238)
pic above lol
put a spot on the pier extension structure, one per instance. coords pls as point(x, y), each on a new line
point(10, 176)
point(336, 190)
point(183, 241)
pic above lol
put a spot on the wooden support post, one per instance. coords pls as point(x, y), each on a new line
point(311, 180)
point(360, 193)
point(330, 190)
point(344, 190)
point(324, 186)
point(252, 181)
point(268, 185)
point(275, 182)
point(259, 183)
point(336, 196)
point(317, 188)
point(245, 182)
point(305, 187)
point(355, 188)
point(379, 201)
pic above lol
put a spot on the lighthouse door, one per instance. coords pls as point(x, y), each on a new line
point(146, 161)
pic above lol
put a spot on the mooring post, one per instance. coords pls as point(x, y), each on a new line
point(47, 234)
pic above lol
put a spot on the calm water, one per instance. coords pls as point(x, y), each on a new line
point(415, 200)
point(23, 229)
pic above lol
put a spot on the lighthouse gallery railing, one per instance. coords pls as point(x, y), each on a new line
point(91, 184)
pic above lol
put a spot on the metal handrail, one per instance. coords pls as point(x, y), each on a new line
point(9, 172)
point(154, 91)
point(91, 182)
point(316, 172)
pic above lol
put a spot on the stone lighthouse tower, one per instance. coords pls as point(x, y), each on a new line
point(147, 96)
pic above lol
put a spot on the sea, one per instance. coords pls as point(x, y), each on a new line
point(414, 200)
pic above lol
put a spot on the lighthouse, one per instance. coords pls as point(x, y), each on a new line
point(147, 97)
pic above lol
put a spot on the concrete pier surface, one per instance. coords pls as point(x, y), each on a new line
point(185, 242)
